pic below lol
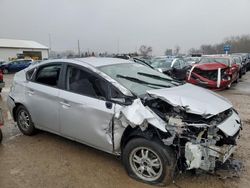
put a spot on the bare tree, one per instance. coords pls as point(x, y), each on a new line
point(237, 43)
point(169, 52)
point(177, 50)
point(145, 50)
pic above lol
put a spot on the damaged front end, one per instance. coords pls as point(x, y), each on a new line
point(215, 79)
point(200, 140)
point(199, 125)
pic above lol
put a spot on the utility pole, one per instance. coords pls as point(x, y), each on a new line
point(50, 46)
point(118, 46)
point(79, 51)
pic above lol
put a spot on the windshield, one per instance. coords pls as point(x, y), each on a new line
point(161, 63)
point(137, 78)
point(215, 60)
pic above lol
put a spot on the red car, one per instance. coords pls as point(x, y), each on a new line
point(214, 72)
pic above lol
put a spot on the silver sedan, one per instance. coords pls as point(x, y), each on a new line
point(127, 109)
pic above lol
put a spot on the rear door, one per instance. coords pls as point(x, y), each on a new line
point(42, 96)
point(85, 112)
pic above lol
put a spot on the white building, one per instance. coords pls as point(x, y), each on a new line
point(11, 49)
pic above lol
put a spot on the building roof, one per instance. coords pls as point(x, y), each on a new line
point(13, 43)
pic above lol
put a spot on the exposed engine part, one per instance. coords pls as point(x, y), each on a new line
point(202, 139)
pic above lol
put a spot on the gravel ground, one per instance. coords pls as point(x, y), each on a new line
point(47, 160)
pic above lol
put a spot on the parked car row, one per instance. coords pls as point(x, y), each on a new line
point(216, 72)
point(157, 124)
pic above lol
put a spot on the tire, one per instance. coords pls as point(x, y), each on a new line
point(1, 136)
point(140, 166)
point(24, 121)
point(5, 71)
point(1, 90)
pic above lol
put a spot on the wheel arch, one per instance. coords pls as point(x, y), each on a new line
point(15, 110)
point(130, 133)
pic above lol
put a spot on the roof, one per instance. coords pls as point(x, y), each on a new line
point(102, 61)
point(13, 43)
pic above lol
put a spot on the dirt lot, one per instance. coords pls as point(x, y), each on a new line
point(46, 160)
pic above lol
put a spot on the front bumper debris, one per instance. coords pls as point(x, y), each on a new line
point(205, 157)
point(205, 154)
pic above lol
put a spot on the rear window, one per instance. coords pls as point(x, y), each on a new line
point(215, 60)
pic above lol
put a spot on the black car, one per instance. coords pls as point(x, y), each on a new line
point(174, 67)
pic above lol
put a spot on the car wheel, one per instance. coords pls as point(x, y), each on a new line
point(149, 161)
point(24, 121)
point(5, 71)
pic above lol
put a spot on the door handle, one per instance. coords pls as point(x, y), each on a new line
point(30, 92)
point(65, 104)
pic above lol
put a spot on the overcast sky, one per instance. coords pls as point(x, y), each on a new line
point(100, 25)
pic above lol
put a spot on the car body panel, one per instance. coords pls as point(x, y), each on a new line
point(43, 103)
point(86, 119)
point(193, 99)
point(90, 121)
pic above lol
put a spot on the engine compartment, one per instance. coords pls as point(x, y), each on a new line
point(198, 141)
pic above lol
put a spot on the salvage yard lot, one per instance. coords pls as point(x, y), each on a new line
point(47, 160)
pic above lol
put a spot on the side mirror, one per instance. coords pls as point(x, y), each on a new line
point(119, 100)
point(122, 101)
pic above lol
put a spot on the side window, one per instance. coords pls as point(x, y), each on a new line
point(49, 75)
point(177, 64)
point(114, 93)
point(24, 62)
point(30, 73)
point(182, 64)
point(86, 83)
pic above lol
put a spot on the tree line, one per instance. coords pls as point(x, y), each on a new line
point(237, 43)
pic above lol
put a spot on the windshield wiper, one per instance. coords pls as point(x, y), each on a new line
point(159, 77)
point(140, 81)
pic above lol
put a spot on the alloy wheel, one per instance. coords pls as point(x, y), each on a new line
point(145, 163)
point(24, 120)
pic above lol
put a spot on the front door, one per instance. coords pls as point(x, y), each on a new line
point(85, 113)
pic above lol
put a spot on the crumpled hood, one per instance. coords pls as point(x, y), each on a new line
point(193, 99)
point(211, 66)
